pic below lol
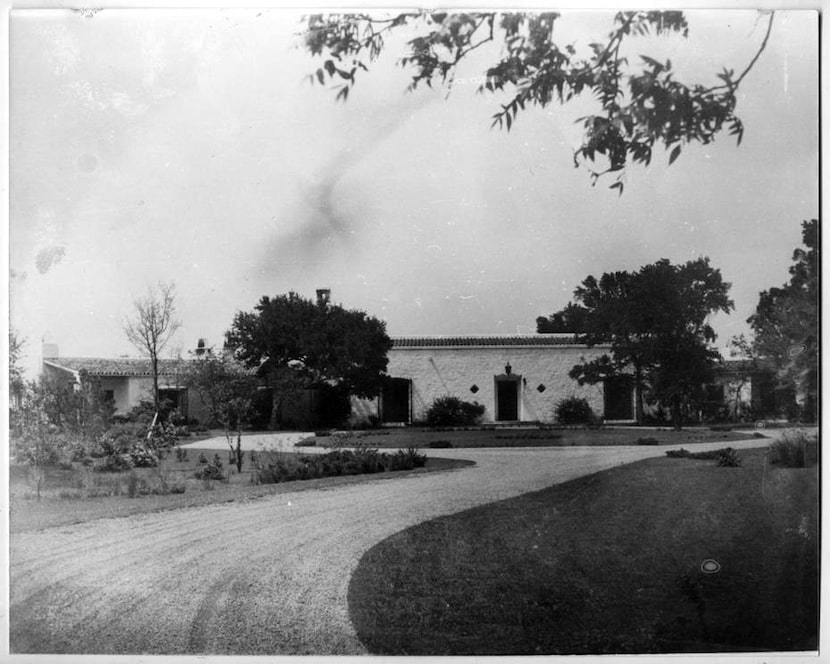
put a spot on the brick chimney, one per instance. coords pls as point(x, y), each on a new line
point(323, 296)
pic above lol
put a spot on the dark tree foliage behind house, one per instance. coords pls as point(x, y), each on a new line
point(572, 319)
point(785, 322)
point(296, 344)
point(656, 323)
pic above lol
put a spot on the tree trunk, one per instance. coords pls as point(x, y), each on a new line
point(638, 395)
point(676, 413)
point(155, 361)
point(239, 451)
point(229, 441)
point(276, 405)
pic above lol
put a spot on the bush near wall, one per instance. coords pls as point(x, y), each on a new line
point(574, 410)
point(452, 411)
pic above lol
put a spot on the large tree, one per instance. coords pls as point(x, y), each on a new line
point(641, 103)
point(296, 343)
point(655, 321)
point(152, 326)
point(785, 322)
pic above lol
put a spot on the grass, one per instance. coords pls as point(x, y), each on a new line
point(69, 495)
point(536, 437)
point(609, 563)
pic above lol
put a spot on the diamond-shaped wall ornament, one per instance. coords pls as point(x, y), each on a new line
point(474, 389)
point(541, 388)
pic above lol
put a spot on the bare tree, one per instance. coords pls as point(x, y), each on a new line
point(152, 327)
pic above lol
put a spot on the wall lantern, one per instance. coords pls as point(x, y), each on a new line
point(508, 369)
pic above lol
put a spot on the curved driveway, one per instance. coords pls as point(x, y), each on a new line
point(268, 576)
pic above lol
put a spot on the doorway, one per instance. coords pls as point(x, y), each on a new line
point(507, 398)
point(619, 398)
point(395, 400)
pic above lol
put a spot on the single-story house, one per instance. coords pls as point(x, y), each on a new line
point(127, 381)
point(521, 378)
point(517, 378)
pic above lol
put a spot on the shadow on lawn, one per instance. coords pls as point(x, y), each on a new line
point(662, 556)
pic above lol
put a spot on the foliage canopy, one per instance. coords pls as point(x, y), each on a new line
point(656, 323)
point(296, 343)
point(785, 322)
point(643, 105)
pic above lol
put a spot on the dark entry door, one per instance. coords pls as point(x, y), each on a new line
point(618, 398)
point(395, 400)
point(508, 400)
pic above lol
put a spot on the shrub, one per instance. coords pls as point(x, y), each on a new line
point(682, 453)
point(725, 456)
point(729, 458)
point(202, 458)
point(794, 450)
point(648, 440)
point(574, 410)
point(181, 453)
point(112, 463)
point(211, 470)
point(407, 459)
point(44, 453)
point(121, 437)
point(440, 444)
point(363, 460)
point(452, 411)
point(141, 457)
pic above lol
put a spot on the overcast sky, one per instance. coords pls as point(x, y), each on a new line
point(188, 146)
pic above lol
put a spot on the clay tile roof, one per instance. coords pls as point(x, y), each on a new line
point(488, 340)
point(98, 366)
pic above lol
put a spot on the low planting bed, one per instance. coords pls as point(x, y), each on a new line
point(275, 467)
point(665, 555)
point(76, 494)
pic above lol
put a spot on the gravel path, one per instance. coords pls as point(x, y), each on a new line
point(265, 577)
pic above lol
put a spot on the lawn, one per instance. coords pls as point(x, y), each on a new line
point(614, 562)
point(533, 437)
point(77, 494)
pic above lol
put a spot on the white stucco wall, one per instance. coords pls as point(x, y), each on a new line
point(140, 388)
point(442, 371)
point(121, 392)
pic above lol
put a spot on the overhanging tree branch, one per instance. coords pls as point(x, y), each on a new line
point(660, 109)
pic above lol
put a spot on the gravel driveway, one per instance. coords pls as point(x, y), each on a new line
point(268, 576)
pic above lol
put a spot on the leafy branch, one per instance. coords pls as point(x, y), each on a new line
point(642, 106)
